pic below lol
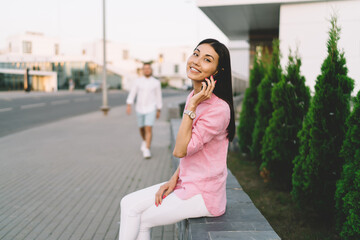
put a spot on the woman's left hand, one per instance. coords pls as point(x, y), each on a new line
point(164, 191)
point(203, 95)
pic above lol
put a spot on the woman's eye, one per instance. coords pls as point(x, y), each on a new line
point(208, 60)
point(195, 54)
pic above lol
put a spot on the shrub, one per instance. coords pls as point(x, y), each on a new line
point(317, 167)
point(290, 100)
point(247, 114)
point(347, 194)
point(263, 109)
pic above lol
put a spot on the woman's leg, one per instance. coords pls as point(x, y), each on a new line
point(172, 210)
point(132, 207)
point(139, 213)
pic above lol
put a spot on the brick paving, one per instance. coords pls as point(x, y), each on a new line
point(65, 180)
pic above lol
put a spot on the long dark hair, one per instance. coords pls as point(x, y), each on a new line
point(223, 87)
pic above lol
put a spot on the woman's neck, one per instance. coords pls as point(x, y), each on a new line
point(197, 86)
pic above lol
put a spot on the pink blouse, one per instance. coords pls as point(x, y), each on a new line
point(203, 170)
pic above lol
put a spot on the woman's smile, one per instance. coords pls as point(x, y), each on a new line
point(195, 70)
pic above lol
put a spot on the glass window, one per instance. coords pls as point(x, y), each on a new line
point(176, 68)
point(27, 47)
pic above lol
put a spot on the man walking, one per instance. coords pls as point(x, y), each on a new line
point(147, 91)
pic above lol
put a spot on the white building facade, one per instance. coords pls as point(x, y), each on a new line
point(118, 60)
point(32, 51)
point(297, 24)
point(170, 66)
point(305, 26)
point(32, 43)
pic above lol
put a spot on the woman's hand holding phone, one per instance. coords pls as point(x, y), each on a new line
point(208, 86)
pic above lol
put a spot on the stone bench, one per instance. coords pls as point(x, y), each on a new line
point(174, 109)
point(242, 220)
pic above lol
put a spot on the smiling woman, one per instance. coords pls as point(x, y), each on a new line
point(197, 188)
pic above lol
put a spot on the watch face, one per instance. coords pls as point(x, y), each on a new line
point(192, 115)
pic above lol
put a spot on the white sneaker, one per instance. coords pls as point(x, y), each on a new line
point(143, 146)
point(146, 153)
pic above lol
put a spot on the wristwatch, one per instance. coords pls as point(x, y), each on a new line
point(191, 114)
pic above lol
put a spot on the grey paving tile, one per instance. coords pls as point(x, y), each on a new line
point(71, 187)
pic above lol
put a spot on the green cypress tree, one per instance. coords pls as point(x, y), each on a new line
point(247, 114)
point(317, 167)
point(290, 99)
point(264, 107)
point(347, 194)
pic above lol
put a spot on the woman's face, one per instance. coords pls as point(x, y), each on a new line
point(202, 63)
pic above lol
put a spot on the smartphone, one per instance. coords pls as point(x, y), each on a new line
point(205, 83)
point(209, 79)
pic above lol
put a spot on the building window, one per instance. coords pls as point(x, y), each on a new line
point(27, 47)
point(125, 54)
point(10, 47)
point(56, 49)
point(176, 68)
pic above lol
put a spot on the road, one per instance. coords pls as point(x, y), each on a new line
point(20, 111)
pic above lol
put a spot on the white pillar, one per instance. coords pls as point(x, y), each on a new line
point(240, 57)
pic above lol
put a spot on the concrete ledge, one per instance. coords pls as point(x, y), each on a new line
point(175, 109)
point(242, 220)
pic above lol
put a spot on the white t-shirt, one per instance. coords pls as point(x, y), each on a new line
point(148, 95)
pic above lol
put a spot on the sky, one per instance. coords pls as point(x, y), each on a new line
point(144, 23)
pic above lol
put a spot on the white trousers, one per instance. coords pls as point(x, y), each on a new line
point(139, 213)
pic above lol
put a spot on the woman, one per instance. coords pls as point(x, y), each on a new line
point(198, 187)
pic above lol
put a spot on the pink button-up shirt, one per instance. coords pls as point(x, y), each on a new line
point(203, 170)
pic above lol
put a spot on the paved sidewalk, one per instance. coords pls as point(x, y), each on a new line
point(64, 180)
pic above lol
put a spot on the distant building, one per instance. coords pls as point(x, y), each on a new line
point(50, 71)
point(298, 24)
point(118, 60)
point(32, 43)
point(170, 66)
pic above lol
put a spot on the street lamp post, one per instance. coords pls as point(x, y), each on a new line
point(105, 108)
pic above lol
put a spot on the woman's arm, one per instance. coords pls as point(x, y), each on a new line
point(184, 135)
point(175, 176)
point(185, 130)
